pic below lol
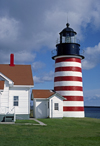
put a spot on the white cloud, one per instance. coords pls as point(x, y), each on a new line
point(19, 57)
point(79, 14)
point(24, 56)
point(26, 26)
point(46, 77)
point(92, 55)
point(9, 29)
point(89, 94)
point(37, 65)
point(40, 25)
point(37, 79)
point(92, 97)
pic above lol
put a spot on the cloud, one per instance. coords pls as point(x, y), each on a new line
point(92, 97)
point(26, 25)
point(46, 77)
point(90, 94)
point(92, 57)
point(37, 65)
point(95, 101)
point(9, 29)
point(21, 57)
point(9, 33)
point(37, 79)
point(24, 56)
point(79, 14)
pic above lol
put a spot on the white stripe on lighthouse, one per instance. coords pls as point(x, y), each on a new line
point(67, 83)
point(68, 73)
point(61, 64)
point(73, 103)
point(74, 114)
point(71, 93)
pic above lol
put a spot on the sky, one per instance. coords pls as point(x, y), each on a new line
point(29, 29)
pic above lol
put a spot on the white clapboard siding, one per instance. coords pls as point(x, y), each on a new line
point(4, 95)
point(24, 99)
point(56, 113)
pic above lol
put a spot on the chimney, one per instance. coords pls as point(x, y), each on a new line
point(12, 60)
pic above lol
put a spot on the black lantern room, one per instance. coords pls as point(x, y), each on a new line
point(68, 44)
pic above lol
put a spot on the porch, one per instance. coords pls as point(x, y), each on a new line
point(7, 114)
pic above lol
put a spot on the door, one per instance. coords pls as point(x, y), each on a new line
point(41, 109)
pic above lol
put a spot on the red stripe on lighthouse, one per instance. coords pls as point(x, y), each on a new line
point(64, 59)
point(78, 69)
point(67, 78)
point(68, 88)
point(73, 108)
point(73, 98)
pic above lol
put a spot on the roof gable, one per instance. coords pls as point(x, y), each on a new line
point(58, 95)
point(19, 74)
point(3, 77)
point(45, 94)
point(42, 93)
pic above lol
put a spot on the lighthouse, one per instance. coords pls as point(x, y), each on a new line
point(68, 73)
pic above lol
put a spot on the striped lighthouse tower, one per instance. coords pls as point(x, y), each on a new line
point(68, 73)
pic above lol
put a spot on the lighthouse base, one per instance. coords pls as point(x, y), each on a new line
point(74, 114)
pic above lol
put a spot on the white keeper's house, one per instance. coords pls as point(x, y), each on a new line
point(15, 84)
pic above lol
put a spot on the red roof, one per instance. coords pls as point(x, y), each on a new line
point(19, 74)
point(42, 93)
point(1, 85)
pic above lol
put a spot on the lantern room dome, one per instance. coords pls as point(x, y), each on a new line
point(68, 44)
point(67, 31)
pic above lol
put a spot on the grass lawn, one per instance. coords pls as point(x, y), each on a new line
point(26, 121)
point(58, 132)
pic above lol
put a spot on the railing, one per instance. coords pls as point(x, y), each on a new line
point(54, 52)
point(68, 40)
point(4, 110)
point(8, 110)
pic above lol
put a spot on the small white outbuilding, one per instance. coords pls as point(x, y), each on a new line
point(47, 104)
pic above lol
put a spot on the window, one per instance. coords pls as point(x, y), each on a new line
point(56, 106)
point(15, 101)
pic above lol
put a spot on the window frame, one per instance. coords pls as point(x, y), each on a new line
point(15, 101)
point(56, 106)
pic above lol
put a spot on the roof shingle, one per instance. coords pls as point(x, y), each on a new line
point(42, 93)
point(19, 74)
